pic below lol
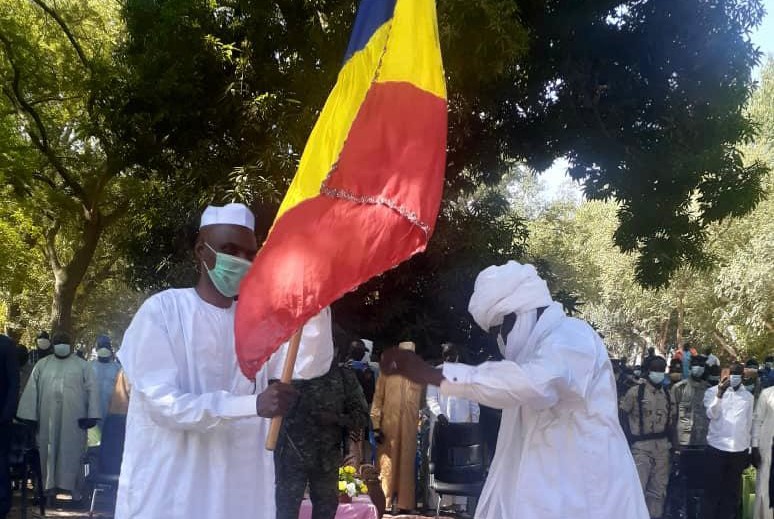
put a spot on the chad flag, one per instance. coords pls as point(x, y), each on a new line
point(368, 188)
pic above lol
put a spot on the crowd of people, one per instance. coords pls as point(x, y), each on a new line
point(576, 434)
point(57, 396)
point(694, 428)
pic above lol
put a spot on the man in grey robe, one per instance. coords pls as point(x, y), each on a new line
point(61, 399)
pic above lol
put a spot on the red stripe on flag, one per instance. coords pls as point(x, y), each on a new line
point(396, 149)
point(318, 251)
point(391, 167)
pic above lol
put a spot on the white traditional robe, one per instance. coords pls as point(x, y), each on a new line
point(105, 374)
point(762, 433)
point(194, 445)
point(561, 452)
point(58, 393)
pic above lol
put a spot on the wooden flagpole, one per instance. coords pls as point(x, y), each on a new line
point(287, 376)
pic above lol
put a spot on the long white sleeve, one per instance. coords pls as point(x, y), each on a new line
point(152, 366)
point(315, 352)
point(713, 404)
point(433, 401)
point(538, 383)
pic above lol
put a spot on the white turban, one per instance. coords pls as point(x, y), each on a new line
point(504, 289)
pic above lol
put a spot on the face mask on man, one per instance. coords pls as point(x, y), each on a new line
point(637, 372)
point(713, 380)
point(749, 387)
point(227, 273)
point(657, 377)
point(697, 371)
point(735, 380)
point(104, 355)
point(43, 344)
point(62, 350)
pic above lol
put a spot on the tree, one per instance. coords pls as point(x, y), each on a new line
point(644, 98)
point(68, 171)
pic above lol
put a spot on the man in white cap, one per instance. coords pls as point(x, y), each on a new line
point(560, 452)
point(196, 426)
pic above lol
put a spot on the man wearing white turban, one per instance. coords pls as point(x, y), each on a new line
point(561, 452)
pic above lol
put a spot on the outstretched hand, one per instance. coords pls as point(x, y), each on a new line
point(410, 365)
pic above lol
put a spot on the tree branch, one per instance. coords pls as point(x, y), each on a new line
point(68, 33)
point(40, 141)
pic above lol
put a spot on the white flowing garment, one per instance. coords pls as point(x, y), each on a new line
point(455, 409)
point(561, 452)
point(194, 445)
point(762, 434)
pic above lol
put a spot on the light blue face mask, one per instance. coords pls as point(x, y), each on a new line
point(227, 273)
point(657, 377)
point(62, 350)
point(735, 380)
point(697, 371)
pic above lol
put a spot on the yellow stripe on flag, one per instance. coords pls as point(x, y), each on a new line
point(329, 134)
point(412, 53)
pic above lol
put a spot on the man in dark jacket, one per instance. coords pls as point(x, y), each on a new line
point(9, 391)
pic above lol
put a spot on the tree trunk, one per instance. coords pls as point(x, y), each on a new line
point(69, 277)
point(680, 319)
point(13, 327)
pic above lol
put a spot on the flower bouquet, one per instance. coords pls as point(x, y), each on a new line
point(350, 485)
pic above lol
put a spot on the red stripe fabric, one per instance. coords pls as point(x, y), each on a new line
point(377, 209)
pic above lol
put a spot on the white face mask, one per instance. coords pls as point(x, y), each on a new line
point(43, 344)
point(657, 377)
point(61, 350)
point(735, 380)
point(697, 371)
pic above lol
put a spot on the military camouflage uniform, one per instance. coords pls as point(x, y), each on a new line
point(308, 451)
point(687, 483)
point(651, 415)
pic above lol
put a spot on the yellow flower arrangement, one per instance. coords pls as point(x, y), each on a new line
point(349, 482)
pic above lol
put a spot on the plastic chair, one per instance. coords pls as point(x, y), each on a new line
point(25, 463)
point(457, 461)
point(104, 468)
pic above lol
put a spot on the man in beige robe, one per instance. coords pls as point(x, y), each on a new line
point(395, 417)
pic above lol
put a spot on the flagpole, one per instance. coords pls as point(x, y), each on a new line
point(287, 376)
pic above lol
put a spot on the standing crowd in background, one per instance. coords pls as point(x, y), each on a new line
point(55, 396)
point(695, 429)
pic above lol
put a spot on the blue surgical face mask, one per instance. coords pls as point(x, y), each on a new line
point(735, 380)
point(657, 377)
point(637, 372)
point(43, 344)
point(227, 273)
point(697, 371)
point(62, 350)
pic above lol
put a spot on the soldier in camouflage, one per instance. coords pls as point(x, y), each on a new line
point(651, 415)
point(690, 440)
point(310, 443)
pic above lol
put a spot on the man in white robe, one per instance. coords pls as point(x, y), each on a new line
point(762, 435)
point(62, 399)
point(560, 452)
point(196, 426)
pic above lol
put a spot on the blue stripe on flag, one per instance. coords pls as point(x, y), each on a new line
point(371, 15)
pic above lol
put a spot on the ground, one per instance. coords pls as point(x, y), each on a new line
point(64, 510)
